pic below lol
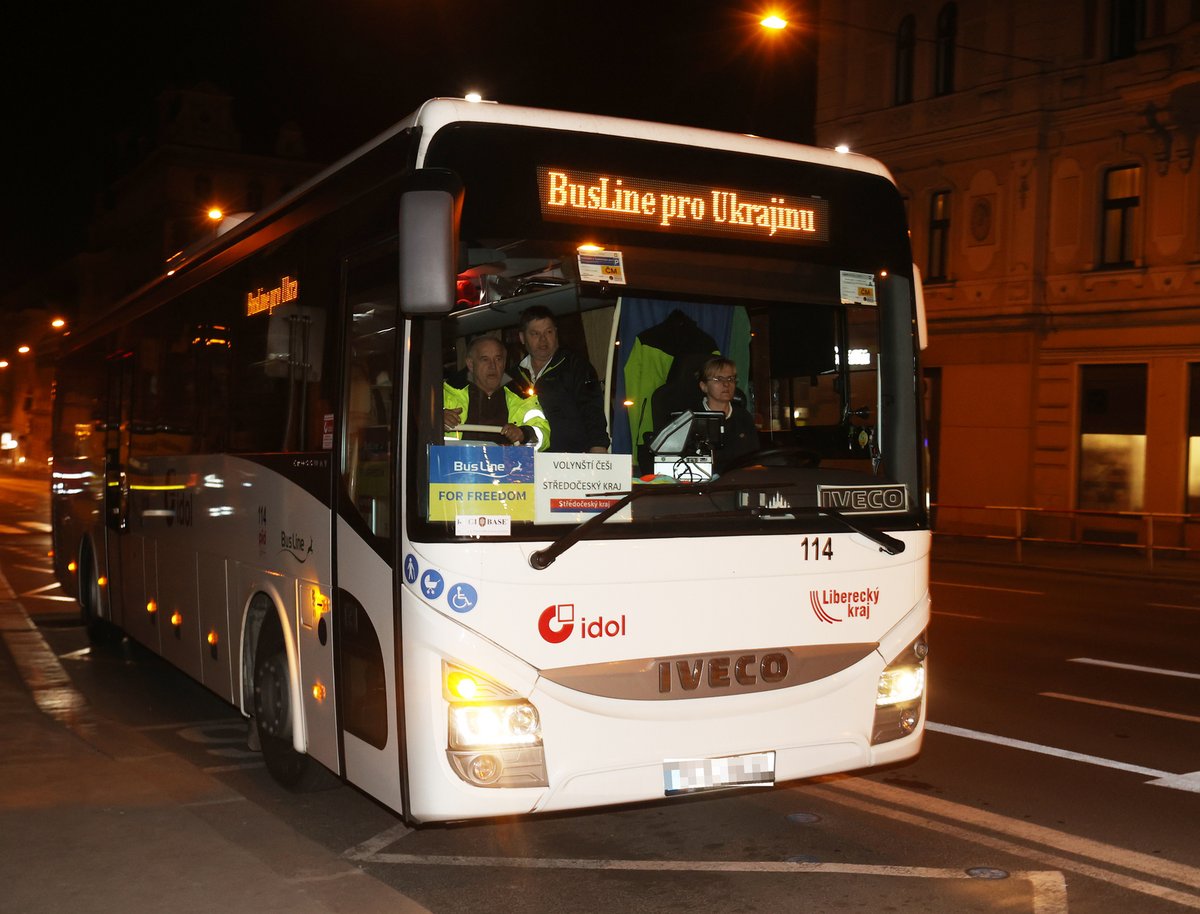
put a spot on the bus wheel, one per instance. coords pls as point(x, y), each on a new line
point(273, 713)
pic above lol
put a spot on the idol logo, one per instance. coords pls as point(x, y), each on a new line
point(557, 623)
point(852, 604)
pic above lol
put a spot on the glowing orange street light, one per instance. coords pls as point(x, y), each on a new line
point(3, 363)
point(58, 323)
point(774, 21)
point(215, 214)
point(24, 350)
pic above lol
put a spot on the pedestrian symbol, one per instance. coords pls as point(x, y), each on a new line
point(410, 568)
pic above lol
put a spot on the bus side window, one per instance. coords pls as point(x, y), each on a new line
point(367, 409)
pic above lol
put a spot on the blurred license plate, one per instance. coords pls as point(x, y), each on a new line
point(689, 775)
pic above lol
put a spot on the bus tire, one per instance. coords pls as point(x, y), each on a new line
point(273, 714)
point(91, 599)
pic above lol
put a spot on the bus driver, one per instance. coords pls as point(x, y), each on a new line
point(486, 401)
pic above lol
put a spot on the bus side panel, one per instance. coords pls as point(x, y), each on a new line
point(216, 672)
point(131, 564)
point(178, 620)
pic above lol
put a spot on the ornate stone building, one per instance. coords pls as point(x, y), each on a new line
point(1046, 152)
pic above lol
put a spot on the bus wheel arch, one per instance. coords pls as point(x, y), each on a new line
point(270, 694)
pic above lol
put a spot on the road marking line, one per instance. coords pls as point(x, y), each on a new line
point(44, 569)
point(1190, 718)
point(839, 791)
point(43, 589)
point(1134, 667)
point(938, 612)
point(1043, 750)
point(1189, 781)
point(1034, 593)
point(373, 845)
point(1049, 888)
point(39, 526)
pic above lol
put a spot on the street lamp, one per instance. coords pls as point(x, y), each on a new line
point(774, 21)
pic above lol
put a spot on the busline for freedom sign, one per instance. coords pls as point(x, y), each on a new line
point(485, 480)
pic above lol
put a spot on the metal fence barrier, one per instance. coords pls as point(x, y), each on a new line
point(1175, 535)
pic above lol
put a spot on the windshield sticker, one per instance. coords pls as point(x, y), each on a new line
point(482, 525)
point(468, 478)
point(858, 288)
point(569, 488)
point(602, 266)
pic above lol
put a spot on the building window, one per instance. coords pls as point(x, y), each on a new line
point(906, 43)
point(939, 234)
point(1112, 437)
point(943, 60)
point(1193, 467)
point(1118, 230)
point(1126, 27)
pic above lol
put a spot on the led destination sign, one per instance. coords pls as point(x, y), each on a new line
point(667, 206)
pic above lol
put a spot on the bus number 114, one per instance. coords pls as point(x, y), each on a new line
point(816, 548)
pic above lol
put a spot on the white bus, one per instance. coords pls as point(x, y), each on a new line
point(251, 476)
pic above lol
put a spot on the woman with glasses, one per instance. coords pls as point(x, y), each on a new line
point(718, 382)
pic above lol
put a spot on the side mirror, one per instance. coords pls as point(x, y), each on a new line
point(430, 209)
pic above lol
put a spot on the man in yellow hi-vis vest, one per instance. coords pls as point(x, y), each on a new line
point(486, 401)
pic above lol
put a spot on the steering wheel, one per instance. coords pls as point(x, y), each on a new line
point(786, 455)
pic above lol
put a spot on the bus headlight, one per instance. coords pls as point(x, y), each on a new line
point(493, 735)
point(902, 683)
point(900, 695)
point(494, 725)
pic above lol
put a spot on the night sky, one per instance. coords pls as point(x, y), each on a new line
point(79, 87)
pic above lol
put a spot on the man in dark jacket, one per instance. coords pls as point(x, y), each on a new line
point(565, 384)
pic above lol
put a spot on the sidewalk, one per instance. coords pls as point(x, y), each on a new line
point(1106, 561)
point(92, 821)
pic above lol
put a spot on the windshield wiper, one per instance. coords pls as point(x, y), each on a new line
point(888, 544)
point(544, 558)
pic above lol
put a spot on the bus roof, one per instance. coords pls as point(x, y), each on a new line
point(440, 112)
point(437, 113)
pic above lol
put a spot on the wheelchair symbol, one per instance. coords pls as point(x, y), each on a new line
point(462, 598)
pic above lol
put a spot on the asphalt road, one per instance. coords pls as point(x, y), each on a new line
point(1061, 771)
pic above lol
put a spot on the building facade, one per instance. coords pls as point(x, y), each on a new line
point(1046, 152)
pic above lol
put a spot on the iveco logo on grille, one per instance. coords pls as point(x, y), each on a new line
point(751, 672)
point(881, 499)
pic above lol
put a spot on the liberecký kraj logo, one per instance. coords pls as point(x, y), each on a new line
point(832, 605)
point(557, 623)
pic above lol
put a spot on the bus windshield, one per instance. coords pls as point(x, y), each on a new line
point(757, 363)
